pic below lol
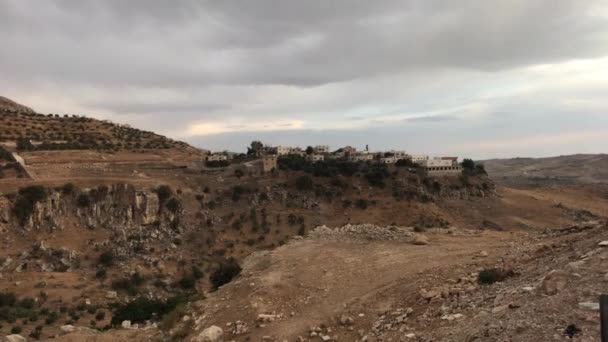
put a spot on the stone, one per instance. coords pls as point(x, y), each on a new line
point(211, 334)
point(576, 265)
point(346, 320)
point(554, 282)
point(325, 338)
point(483, 254)
point(420, 240)
point(111, 295)
point(66, 329)
point(452, 317)
point(428, 295)
point(14, 338)
point(603, 243)
point(126, 324)
point(267, 318)
point(589, 306)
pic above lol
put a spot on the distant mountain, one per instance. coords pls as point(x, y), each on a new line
point(579, 168)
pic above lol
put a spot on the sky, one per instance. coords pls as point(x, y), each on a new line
point(473, 78)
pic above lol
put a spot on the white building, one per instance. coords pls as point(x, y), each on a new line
point(419, 158)
point(437, 162)
point(389, 160)
point(361, 157)
point(315, 157)
point(283, 150)
point(320, 149)
point(400, 154)
point(216, 157)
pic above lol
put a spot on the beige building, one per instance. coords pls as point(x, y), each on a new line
point(389, 160)
point(269, 163)
point(216, 157)
point(362, 157)
point(320, 149)
point(419, 158)
point(315, 157)
point(283, 150)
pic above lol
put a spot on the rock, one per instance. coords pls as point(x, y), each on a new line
point(589, 306)
point(111, 295)
point(420, 240)
point(66, 329)
point(267, 318)
point(14, 338)
point(126, 324)
point(452, 317)
point(528, 289)
point(603, 243)
point(325, 338)
point(483, 254)
point(554, 282)
point(211, 334)
point(346, 320)
point(576, 265)
point(428, 295)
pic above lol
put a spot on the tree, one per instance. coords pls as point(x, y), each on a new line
point(468, 164)
point(255, 149)
point(304, 183)
point(239, 173)
point(310, 150)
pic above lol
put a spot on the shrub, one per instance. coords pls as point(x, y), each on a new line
point(36, 333)
point(239, 173)
point(106, 258)
point(489, 276)
point(83, 200)
point(143, 309)
point(362, 204)
point(28, 197)
point(163, 192)
point(16, 330)
point(100, 316)
point(226, 271)
point(304, 183)
point(187, 282)
point(67, 188)
point(173, 205)
point(101, 273)
point(197, 273)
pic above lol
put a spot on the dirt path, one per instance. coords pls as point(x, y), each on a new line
point(318, 280)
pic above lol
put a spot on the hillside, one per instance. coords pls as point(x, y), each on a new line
point(95, 237)
point(580, 168)
point(23, 129)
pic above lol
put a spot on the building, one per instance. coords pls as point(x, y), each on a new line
point(349, 150)
point(315, 157)
point(362, 157)
point(321, 149)
point(447, 166)
point(216, 157)
point(269, 163)
point(400, 154)
point(389, 160)
point(283, 150)
point(419, 158)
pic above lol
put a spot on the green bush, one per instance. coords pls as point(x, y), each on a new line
point(187, 282)
point(100, 316)
point(163, 192)
point(304, 183)
point(488, 276)
point(106, 258)
point(68, 188)
point(173, 205)
point(16, 330)
point(26, 201)
point(143, 309)
point(83, 200)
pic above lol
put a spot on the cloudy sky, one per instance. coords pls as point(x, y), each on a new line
point(500, 78)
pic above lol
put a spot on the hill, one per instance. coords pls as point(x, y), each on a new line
point(26, 130)
point(580, 168)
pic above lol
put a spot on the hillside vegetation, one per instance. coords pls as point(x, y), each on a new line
point(31, 131)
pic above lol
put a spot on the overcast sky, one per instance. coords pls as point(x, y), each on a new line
point(482, 79)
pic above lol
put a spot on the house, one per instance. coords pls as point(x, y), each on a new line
point(362, 157)
point(321, 149)
point(269, 163)
point(389, 160)
point(419, 158)
point(216, 157)
point(447, 166)
point(315, 157)
point(283, 150)
point(349, 150)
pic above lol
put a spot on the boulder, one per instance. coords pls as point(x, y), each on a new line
point(126, 324)
point(211, 334)
point(66, 329)
point(420, 240)
point(554, 282)
point(111, 295)
point(14, 338)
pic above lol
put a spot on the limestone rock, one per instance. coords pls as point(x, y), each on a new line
point(420, 240)
point(211, 334)
point(66, 329)
point(554, 282)
point(14, 338)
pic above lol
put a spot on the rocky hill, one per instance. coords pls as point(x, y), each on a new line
point(580, 168)
point(140, 244)
point(26, 130)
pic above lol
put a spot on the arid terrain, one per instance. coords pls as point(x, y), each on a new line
point(108, 233)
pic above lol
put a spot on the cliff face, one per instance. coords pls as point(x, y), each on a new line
point(109, 207)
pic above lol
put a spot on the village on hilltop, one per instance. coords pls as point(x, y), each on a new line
point(431, 166)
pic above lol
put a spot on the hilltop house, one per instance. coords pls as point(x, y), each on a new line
point(269, 163)
point(446, 166)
